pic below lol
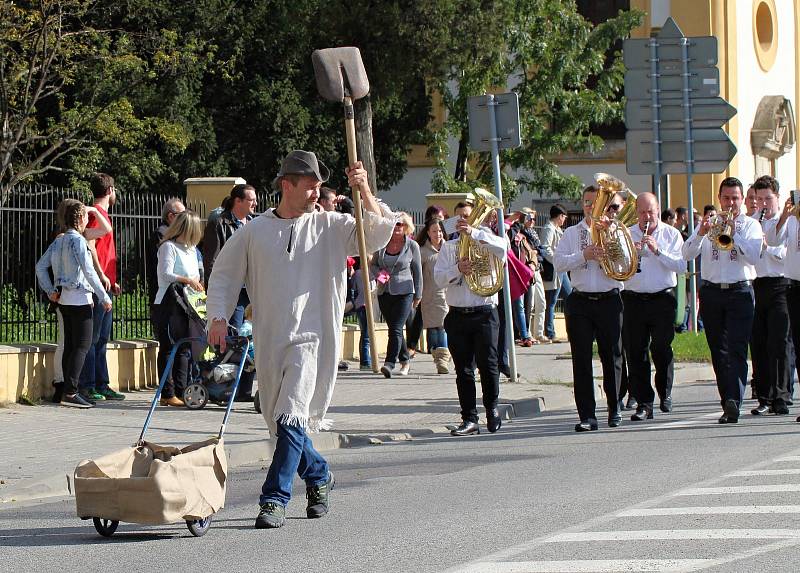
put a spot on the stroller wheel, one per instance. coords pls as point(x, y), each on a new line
point(195, 396)
point(199, 527)
point(257, 402)
point(105, 527)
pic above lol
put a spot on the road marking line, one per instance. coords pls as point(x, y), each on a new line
point(693, 422)
point(585, 566)
point(671, 534)
point(747, 473)
point(709, 510)
point(740, 489)
point(788, 459)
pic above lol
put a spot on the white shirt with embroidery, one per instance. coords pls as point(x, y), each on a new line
point(738, 264)
point(788, 236)
point(447, 275)
point(771, 262)
point(658, 272)
point(586, 276)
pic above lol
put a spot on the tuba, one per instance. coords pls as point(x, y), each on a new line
point(487, 274)
point(621, 258)
point(721, 231)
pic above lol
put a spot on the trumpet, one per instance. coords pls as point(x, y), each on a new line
point(721, 232)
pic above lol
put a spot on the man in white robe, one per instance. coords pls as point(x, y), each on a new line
point(293, 261)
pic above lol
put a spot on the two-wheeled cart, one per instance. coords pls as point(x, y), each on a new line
point(152, 484)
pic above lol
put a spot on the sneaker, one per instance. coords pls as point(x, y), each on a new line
point(271, 516)
point(318, 502)
point(75, 401)
point(387, 370)
point(343, 366)
point(404, 368)
point(108, 394)
point(365, 367)
point(544, 340)
point(90, 396)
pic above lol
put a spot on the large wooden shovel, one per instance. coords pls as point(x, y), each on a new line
point(341, 77)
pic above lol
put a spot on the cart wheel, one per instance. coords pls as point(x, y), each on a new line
point(257, 402)
point(199, 527)
point(105, 527)
point(195, 396)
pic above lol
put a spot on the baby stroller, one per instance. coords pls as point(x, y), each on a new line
point(211, 376)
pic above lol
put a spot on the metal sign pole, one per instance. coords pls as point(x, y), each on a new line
point(501, 229)
point(655, 107)
point(688, 140)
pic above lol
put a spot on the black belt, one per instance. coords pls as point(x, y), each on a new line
point(471, 309)
point(649, 295)
point(771, 281)
point(596, 295)
point(726, 286)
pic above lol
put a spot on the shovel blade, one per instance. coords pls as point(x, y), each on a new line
point(340, 72)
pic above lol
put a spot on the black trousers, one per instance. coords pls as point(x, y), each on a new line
point(472, 339)
point(588, 320)
point(793, 303)
point(649, 330)
point(172, 324)
point(78, 328)
point(769, 343)
point(728, 319)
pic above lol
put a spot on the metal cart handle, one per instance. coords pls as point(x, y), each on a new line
point(241, 343)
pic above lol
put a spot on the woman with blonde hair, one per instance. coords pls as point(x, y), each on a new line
point(398, 273)
point(178, 263)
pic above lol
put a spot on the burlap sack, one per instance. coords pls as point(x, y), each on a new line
point(153, 484)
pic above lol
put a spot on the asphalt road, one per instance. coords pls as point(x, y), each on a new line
point(678, 493)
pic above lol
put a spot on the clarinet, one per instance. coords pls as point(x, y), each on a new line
point(639, 262)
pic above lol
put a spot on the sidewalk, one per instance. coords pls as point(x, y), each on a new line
point(41, 445)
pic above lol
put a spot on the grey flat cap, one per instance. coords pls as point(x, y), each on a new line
point(300, 162)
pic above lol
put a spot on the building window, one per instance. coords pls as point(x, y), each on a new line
point(765, 33)
point(598, 11)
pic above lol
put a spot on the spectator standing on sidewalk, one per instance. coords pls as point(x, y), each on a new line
point(433, 305)
point(398, 272)
point(364, 356)
point(554, 283)
point(75, 283)
point(94, 384)
point(171, 209)
point(293, 260)
point(177, 265)
point(534, 298)
point(237, 210)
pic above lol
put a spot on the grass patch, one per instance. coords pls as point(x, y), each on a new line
point(26, 400)
point(543, 381)
point(686, 347)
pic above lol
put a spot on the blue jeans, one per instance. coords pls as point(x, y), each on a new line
point(294, 453)
point(95, 367)
point(518, 308)
point(437, 338)
point(238, 313)
point(395, 309)
point(363, 342)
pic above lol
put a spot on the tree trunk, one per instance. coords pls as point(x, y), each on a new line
point(461, 159)
point(363, 112)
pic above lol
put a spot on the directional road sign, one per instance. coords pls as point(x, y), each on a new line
point(705, 112)
point(703, 82)
point(712, 150)
point(506, 116)
point(702, 52)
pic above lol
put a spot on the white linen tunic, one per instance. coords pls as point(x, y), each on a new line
point(295, 274)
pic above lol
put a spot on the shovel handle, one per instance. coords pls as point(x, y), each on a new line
point(352, 156)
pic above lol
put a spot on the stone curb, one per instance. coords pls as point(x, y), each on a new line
point(60, 485)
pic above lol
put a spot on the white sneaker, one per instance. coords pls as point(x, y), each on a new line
point(387, 370)
point(404, 368)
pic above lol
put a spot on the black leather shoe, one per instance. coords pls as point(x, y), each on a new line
point(614, 420)
point(666, 404)
point(632, 403)
point(761, 410)
point(643, 412)
point(465, 429)
point(730, 413)
point(779, 407)
point(505, 371)
point(493, 421)
point(590, 425)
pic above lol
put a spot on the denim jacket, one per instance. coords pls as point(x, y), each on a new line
point(71, 261)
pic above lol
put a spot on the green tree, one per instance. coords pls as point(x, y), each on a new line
point(568, 75)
